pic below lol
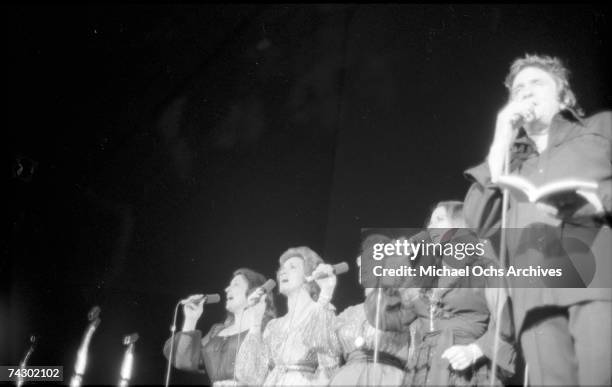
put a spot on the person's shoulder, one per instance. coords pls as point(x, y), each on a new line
point(275, 320)
point(599, 124)
point(603, 115)
point(215, 329)
point(352, 311)
point(271, 326)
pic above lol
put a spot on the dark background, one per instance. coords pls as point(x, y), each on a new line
point(174, 144)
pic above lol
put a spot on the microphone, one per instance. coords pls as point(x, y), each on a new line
point(262, 290)
point(24, 362)
point(81, 363)
point(33, 342)
point(520, 118)
point(207, 298)
point(339, 268)
point(128, 359)
point(94, 313)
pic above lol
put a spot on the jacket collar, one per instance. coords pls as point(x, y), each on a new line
point(561, 127)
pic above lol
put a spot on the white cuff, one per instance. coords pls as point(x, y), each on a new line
point(476, 351)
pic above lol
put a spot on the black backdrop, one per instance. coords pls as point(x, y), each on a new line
point(174, 144)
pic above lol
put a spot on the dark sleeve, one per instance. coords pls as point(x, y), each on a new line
point(187, 354)
point(605, 183)
point(483, 203)
point(591, 158)
point(506, 352)
point(396, 312)
point(479, 174)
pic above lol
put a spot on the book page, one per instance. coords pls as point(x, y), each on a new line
point(520, 187)
point(561, 186)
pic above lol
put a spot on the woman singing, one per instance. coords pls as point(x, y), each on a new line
point(215, 354)
point(357, 338)
point(298, 348)
point(457, 314)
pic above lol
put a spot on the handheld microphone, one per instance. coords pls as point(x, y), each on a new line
point(339, 268)
point(520, 118)
point(207, 298)
point(263, 289)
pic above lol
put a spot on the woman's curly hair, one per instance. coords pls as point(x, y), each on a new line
point(311, 261)
point(254, 280)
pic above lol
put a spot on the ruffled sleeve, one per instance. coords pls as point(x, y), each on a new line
point(254, 358)
point(482, 203)
point(187, 352)
point(320, 334)
point(347, 327)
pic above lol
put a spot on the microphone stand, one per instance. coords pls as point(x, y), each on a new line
point(24, 362)
point(170, 355)
point(81, 362)
point(128, 360)
point(504, 263)
point(376, 331)
point(377, 325)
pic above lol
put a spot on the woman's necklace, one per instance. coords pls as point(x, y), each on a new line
point(434, 298)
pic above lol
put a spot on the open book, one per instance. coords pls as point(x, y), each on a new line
point(557, 193)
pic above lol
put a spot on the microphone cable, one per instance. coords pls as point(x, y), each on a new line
point(170, 355)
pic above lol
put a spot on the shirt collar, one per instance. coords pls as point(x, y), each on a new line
point(573, 115)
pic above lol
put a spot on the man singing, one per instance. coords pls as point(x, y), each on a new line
point(541, 134)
